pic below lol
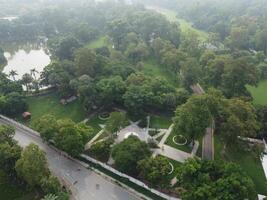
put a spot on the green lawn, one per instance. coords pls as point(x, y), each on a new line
point(246, 160)
point(98, 43)
point(50, 104)
point(175, 166)
point(151, 68)
point(184, 25)
point(160, 122)
point(9, 191)
point(170, 142)
point(259, 93)
point(94, 123)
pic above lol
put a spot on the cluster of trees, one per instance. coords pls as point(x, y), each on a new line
point(213, 180)
point(64, 133)
point(133, 157)
point(231, 73)
point(12, 100)
point(233, 117)
point(28, 165)
point(240, 25)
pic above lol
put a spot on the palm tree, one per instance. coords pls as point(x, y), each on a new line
point(33, 73)
point(26, 80)
point(12, 74)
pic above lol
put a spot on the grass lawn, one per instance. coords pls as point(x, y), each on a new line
point(246, 160)
point(98, 43)
point(170, 142)
point(175, 166)
point(160, 122)
point(151, 68)
point(184, 25)
point(94, 123)
point(259, 93)
point(50, 104)
point(9, 191)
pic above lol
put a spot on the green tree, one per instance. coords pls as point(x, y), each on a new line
point(72, 137)
point(190, 72)
point(240, 119)
point(192, 118)
point(237, 74)
point(214, 180)
point(116, 121)
point(239, 38)
point(47, 126)
point(111, 89)
point(155, 170)
point(26, 80)
point(261, 40)
point(101, 150)
point(12, 74)
point(85, 61)
point(127, 154)
point(50, 185)
point(32, 166)
point(9, 150)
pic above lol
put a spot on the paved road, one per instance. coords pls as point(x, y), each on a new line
point(89, 186)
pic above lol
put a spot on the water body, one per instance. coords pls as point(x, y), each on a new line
point(26, 57)
point(9, 18)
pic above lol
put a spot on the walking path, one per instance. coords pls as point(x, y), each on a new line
point(207, 142)
point(89, 144)
point(173, 153)
point(167, 134)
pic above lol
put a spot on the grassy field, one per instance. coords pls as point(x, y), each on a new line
point(94, 123)
point(9, 191)
point(175, 166)
point(184, 25)
point(247, 162)
point(259, 93)
point(170, 142)
point(151, 68)
point(50, 104)
point(98, 43)
point(160, 122)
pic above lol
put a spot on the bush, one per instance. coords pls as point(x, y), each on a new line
point(128, 153)
point(101, 150)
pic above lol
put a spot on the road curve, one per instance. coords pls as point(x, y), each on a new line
point(85, 184)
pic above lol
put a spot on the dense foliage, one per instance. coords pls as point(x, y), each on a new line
point(66, 134)
point(128, 153)
point(28, 166)
point(214, 180)
point(12, 99)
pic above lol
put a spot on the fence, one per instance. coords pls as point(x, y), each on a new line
point(133, 180)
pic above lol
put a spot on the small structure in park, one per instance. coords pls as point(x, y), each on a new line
point(26, 115)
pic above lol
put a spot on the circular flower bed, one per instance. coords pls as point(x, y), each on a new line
point(179, 140)
point(172, 168)
point(104, 116)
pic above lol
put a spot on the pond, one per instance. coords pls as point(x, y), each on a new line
point(9, 18)
point(24, 58)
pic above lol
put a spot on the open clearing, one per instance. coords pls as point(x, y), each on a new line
point(50, 104)
point(184, 25)
point(259, 93)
